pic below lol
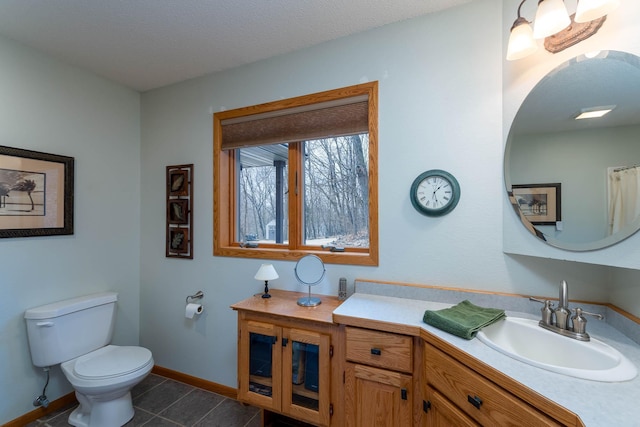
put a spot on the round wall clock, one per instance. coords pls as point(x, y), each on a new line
point(435, 193)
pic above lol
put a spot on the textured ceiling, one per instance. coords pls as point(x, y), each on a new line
point(145, 44)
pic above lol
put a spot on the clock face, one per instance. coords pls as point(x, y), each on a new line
point(435, 193)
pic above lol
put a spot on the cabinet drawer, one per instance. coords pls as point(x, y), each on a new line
point(481, 399)
point(381, 349)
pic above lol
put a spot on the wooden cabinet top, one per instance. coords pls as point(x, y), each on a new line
point(284, 303)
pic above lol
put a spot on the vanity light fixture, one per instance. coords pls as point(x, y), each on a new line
point(553, 23)
point(588, 10)
point(266, 273)
point(594, 112)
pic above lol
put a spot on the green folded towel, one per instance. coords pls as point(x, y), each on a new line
point(463, 319)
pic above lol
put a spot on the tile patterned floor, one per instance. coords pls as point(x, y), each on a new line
point(162, 402)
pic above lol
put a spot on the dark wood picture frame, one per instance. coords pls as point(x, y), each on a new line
point(178, 182)
point(36, 193)
point(541, 204)
point(179, 241)
point(179, 211)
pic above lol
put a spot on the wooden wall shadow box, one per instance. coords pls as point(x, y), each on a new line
point(179, 240)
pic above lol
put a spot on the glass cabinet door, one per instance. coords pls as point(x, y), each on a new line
point(259, 369)
point(305, 379)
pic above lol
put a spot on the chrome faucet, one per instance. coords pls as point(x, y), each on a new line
point(560, 320)
point(562, 312)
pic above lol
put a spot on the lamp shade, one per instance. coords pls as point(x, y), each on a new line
point(521, 41)
point(266, 272)
point(588, 10)
point(551, 18)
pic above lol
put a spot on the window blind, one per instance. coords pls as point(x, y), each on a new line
point(340, 117)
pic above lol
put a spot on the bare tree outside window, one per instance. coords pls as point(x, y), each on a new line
point(257, 203)
point(336, 191)
point(336, 194)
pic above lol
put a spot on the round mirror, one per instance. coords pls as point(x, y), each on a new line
point(309, 271)
point(575, 182)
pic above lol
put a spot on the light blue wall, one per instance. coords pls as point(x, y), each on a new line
point(441, 106)
point(440, 90)
point(52, 107)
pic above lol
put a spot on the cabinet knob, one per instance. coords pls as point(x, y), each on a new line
point(376, 351)
point(475, 401)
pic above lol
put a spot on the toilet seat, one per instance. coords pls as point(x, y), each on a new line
point(111, 361)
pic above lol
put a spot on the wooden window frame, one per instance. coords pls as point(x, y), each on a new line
point(224, 190)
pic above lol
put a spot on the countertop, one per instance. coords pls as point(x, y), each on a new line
point(596, 403)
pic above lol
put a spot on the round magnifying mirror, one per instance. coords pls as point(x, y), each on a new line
point(309, 271)
point(562, 173)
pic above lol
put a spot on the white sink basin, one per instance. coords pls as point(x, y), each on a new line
point(524, 340)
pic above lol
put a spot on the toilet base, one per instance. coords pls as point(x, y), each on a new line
point(97, 413)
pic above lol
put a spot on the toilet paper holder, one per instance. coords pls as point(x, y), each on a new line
point(197, 295)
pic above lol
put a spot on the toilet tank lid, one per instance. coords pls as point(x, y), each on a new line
point(67, 306)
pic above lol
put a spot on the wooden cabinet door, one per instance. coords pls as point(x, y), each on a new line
point(260, 364)
point(440, 412)
point(482, 400)
point(306, 376)
point(377, 397)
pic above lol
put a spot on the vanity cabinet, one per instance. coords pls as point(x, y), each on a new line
point(378, 378)
point(284, 356)
point(453, 391)
point(329, 369)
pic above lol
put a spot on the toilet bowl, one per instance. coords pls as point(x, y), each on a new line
point(102, 380)
point(76, 333)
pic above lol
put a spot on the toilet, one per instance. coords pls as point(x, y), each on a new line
point(76, 333)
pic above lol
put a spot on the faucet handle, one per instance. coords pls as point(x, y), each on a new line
point(580, 312)
point(547, 310)
point(580, 322)
point(596, 315)
point(541, 301)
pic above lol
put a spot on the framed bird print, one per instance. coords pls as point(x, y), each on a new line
point(36, 193)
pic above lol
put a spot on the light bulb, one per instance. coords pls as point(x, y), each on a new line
point(551, 18)
point(521, 41)
point(588, 10)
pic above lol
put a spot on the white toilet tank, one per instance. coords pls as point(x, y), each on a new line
point(68, 329)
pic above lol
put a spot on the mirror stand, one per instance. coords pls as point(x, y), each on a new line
point(309, 301)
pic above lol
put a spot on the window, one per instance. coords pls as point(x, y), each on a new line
point(299, 176)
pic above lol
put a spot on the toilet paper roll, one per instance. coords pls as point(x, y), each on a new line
point(192, 310)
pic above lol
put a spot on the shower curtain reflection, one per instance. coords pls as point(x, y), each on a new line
point(623, 186)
